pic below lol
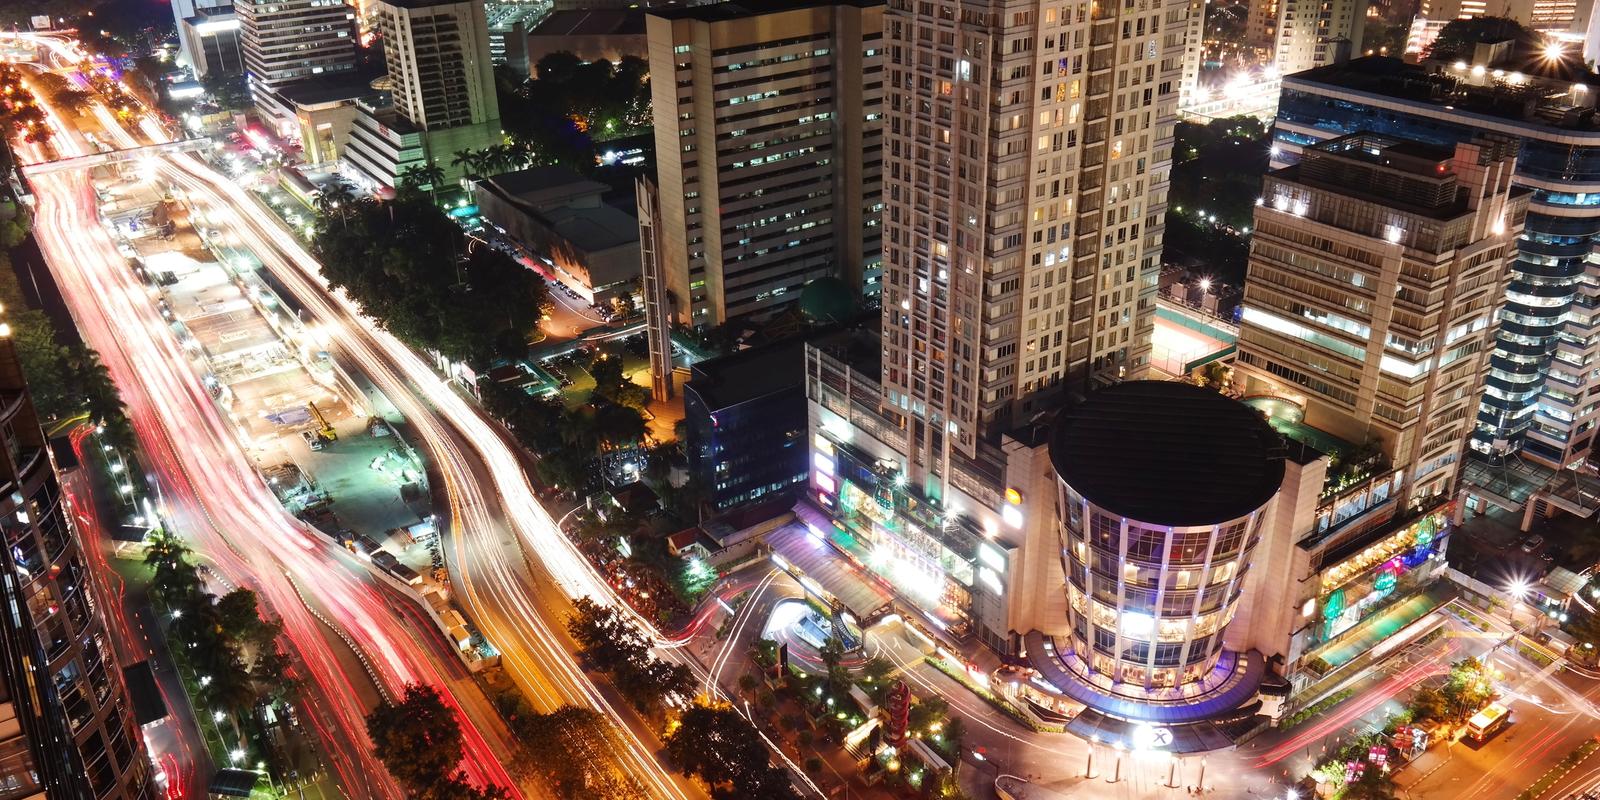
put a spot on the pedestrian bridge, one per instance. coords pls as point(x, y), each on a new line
point(117, 156)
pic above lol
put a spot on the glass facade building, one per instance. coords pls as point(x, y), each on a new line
point(1534, 395)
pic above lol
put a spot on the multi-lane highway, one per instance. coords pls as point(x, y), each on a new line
point(520, 604)
point(214, 497)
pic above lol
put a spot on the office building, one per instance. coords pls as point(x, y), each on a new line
point(290, 41)
point(68, 730)
point(768, 128)
point(208, 37)
point(1316, 33)
point(443, 92)
point(509, 24)
point(1377, 273)
point(745, 415)
point(1540, 400)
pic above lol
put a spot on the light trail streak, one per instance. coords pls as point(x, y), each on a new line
point(215, 495)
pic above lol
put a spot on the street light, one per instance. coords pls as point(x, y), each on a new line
point(1116, 776)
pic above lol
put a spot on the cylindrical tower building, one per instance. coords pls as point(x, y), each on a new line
point(1163, 491)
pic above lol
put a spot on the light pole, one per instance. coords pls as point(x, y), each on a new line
point(1202, 784)
point(1116, 776)
point(1088, 766)
point(1172, 771)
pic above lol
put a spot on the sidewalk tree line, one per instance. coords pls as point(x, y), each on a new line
point(717, 745)
point(419, 740)
point(225, 641)
point(610, 642)
point(65, 377)
point(412, 270)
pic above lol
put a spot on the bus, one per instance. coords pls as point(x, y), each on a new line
point(1487, 723)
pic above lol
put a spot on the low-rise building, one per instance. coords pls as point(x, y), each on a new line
point(746, 420)
point(592, 246)
point(324, 114)
point(591, 35)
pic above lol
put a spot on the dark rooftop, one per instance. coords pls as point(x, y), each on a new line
point(1167, 453)
point(738, 9)
point(1538, 98)
point(592, 23)
point(310, 93)
point(751, 374)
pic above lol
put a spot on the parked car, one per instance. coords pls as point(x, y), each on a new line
point(1532, 543)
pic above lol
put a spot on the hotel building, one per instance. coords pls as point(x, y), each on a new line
point(289, 41)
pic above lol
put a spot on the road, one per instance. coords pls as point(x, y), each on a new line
point(520, 603)
point(213, 495)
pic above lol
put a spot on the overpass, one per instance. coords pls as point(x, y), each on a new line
point(116, 156)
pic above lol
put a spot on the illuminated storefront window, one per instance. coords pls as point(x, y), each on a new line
point(1368, 581)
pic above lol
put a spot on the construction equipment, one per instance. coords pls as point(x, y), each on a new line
point(324, 430)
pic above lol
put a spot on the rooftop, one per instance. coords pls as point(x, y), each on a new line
point(596, 228)
point(754, 373)
point(592, 23)
point(739, 9)
point(1167, 453)
point(311, 93)
point(1542, 100)
point(543, 185)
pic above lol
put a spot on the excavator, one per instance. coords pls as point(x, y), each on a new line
point(325, 432)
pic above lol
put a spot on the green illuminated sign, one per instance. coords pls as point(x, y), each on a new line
point(1333, 606)
point(1385, 582)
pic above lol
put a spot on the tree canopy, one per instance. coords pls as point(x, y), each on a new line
point(417, 738)
point(415, 273)
point(721, 748)
point(1460, 37)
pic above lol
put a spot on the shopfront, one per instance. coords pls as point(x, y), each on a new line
point(1370, 579)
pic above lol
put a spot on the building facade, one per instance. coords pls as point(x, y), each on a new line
point(1316, 33)
point(589, 245)
point(442, 86)
point(1540, 399)
point(746, 420)
point(208, 37)
point(289, 41)
point(1378, 269)
point(768, 151)
point(69, 730)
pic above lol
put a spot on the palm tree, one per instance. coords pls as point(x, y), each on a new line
point(476, 161)
point(422, 176)
point(335, 198)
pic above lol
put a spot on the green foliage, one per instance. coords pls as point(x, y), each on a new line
point(608, 640)
point(408, 266)
point(1317, 708)
point(570, 749)
point(229, 91)
point(724, 750)
point(417, 739)
point(1460, 37)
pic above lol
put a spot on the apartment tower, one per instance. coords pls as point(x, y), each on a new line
point(768, 145)
point(1026, 167)
point(290, 41)
point(1377, 274)
point(66, 726)
point(1316, 33)
point(442, 81)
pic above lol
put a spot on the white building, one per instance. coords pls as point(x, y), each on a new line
point(288, 41)
point(442, 82)
point(1316, 33)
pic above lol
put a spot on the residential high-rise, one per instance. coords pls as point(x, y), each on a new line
point(1316, 33)
point(1026, 200)
point(1377, 274)
point(289, 41)
point(768, 125)
point(1541, 399)
point(1194, 52)
point(66, 728)
point(442, 81)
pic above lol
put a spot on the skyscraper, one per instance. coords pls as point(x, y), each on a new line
point(1027, 157)
point(289, 41)
point(1377, 275)
point(442, 81)
point(768, 132)
point(66, 729)
point(208, 36)
point(1540, 399)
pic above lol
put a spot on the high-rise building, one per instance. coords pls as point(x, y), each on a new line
point(1377, 274)
point(289, 41)
point(66, 728)
point(1316, 33)
point(509, 24)
point(768, 125)
point(1261, 25)
point(1194, 52)
point(1541, 399)
point(208, 37)
point(1025, 203)
point(442, 82)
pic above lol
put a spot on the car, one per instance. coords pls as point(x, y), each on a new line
point(1532, 543)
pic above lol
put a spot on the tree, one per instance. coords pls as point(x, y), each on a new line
point(417, 739)
point(418, 177)
point(570, 748)
point(229, 91)
point(175, 578)
point(456, 787)
point(1460, 37)
point(718, 746)
point(619, 426)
